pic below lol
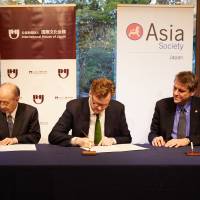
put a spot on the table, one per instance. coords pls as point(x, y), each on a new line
point(55, 173)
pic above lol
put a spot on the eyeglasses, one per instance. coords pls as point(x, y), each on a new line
point(97, 104)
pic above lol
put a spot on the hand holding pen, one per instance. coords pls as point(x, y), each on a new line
point(88, 143)
point(86, 152)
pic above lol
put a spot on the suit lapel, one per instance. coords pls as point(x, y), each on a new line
point(194, 114)
point(171, 115)
point(4, 131)
point(18, 121)
point(85, 117)
point(108, 121)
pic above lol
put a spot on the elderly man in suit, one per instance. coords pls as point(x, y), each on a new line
point(18, 121)
point(84, 115)
point(176, 120)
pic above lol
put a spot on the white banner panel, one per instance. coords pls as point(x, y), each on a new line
point(153, 44)
point(45, 84)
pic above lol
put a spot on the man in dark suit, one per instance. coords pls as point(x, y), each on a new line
point(81, 115)
point(176, 120)
point(18, 121)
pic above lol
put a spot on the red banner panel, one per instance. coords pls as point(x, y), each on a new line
point(38, 32)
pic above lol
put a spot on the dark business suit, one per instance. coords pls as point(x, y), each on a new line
point(77, 117)
point(26, 126)
point(163, 120)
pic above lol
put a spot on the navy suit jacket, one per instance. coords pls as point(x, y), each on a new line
point(76, 117)
point(163, 120)
point(26, 126)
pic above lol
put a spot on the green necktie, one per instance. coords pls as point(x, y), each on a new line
point(97, 134)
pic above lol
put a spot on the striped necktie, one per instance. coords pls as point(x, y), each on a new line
point(10, 124)
point(182, 124)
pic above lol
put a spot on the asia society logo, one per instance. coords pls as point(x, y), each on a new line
point(38, 99)
point(154, 32)
point(63, 73)
point(134, 31)
point(13, 33)
point(12, 73)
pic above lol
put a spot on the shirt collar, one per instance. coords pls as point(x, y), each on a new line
point(186, 106)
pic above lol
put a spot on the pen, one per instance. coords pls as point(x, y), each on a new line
point(84, 133)
point(192, 147)
point(86, 137)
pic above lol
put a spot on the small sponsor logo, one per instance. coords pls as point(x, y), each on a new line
point(38, 99)
point(63, 98)
point(63, 73)
point(37, 72)
point(13, 33)
point(12, 73)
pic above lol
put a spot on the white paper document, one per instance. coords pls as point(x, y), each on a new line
point(18, 147)
point(116, 148)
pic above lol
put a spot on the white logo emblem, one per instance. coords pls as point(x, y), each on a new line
point(13, 33)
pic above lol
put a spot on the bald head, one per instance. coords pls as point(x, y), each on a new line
point(9, 97)
point(10, 89)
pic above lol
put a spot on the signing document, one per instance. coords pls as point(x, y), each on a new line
point(116, 148)
point(18, 147)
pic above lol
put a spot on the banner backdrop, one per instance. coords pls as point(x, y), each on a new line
point(153, 44)
point(38, 53)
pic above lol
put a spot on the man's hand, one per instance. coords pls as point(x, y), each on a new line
point(158, 141)
point(8, 141)
point(107, 141)
point(83, 142)
point(177, 142)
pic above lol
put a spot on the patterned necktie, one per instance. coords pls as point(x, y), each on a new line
point(181, 124)
point(97, 134)
point(10, 124)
